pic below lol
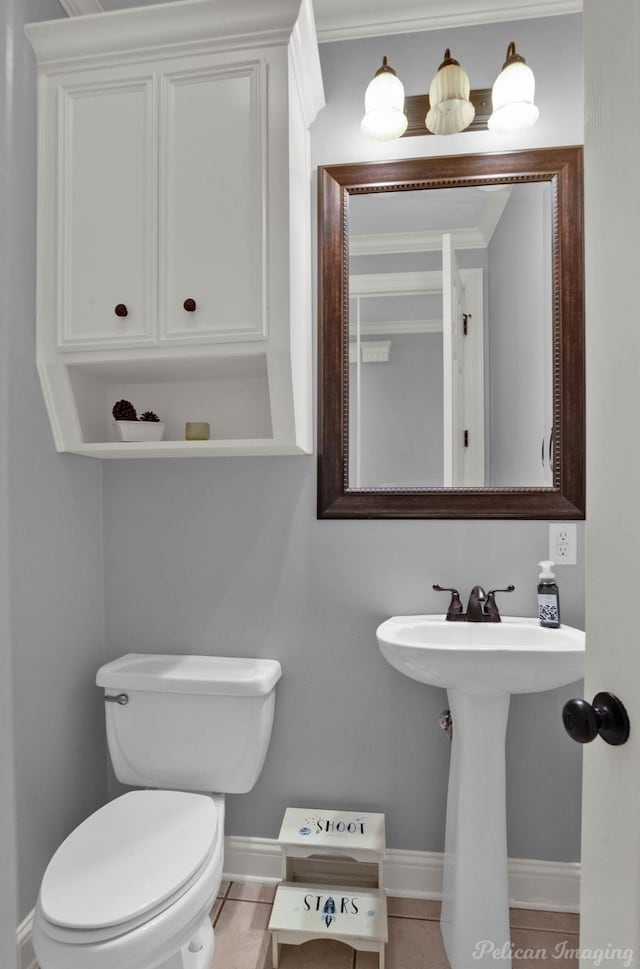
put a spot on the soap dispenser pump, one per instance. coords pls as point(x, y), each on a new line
point(548, 597)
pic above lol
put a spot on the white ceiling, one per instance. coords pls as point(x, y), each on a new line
point(343, 19)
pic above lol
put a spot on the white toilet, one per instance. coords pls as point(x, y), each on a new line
point(132, 886)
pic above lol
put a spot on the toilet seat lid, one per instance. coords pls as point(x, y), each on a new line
point(128, 858)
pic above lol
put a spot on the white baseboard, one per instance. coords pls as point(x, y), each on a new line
point(552, 886)
point(26, 955)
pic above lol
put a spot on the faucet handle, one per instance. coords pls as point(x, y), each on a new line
point(491, 610)
point(456, 609)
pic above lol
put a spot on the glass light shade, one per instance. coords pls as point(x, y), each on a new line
point(512, 96)
point(384, 117)
point(450, 109)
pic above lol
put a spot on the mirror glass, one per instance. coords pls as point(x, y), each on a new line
point(451, 332)
point(450, 337)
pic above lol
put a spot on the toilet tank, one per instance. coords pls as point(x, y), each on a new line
point(189, 723)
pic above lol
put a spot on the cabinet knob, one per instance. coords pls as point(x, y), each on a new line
point(121, 310)
point(190, 305)
point(606, 716)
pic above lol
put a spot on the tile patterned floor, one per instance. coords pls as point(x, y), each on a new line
point(241, 915)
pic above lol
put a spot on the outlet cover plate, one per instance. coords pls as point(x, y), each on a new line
point(563, 543)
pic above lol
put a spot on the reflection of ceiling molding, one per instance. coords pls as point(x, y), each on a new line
point(76, 8)
point(377, 351)
point(381, 243)
point(476, 210)
point(384, 327)
point(374, 351)
point(403, 284)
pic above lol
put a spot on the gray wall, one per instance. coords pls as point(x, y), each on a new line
point(519, 325)
point(552, 47)
point(401, 415)
point(8, 878)
point(55, 529)
point(226, 555)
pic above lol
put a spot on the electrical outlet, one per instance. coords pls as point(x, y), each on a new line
point(562, 543)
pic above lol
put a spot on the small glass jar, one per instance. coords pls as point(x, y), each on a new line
point(197, 431)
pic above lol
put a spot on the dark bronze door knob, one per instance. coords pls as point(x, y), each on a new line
point(606, 717)
point(121, 310)
point(189, 305)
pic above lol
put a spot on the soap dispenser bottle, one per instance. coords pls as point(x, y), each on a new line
point(548, 597)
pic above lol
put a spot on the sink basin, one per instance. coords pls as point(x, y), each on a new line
point(481, 665)
point(512, 656)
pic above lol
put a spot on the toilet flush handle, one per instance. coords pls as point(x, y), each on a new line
point(121, 698)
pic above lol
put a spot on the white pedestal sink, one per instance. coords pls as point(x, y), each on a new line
point(480, 665)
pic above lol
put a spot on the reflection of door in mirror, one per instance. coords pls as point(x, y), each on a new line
point(463, 370)
point(450, 324)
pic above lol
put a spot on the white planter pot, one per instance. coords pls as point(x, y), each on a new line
point(140, 430)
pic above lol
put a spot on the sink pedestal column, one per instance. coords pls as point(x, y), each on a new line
point(475, 905)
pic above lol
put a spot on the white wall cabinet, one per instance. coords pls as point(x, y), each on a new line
point(174, 224)
point(215, 252)
point(106, 211)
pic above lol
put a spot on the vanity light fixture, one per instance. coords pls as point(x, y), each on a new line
point(451, 106)
point(512, 95)
point(450, 110)
point(384, 117)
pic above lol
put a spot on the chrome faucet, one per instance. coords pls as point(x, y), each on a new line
point(482, 606)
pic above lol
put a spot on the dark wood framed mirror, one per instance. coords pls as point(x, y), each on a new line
point(451, 337)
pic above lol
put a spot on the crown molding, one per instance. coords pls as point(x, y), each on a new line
point(75, 8)
point(399, 284)
point(337, 20)
point(395, 327)
point(429, 240)
point(189, 26)
point(371, 351)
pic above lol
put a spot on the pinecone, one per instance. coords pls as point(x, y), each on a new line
point(149, 416)
point(124, 411)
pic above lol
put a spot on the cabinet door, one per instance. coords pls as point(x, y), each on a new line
point(213, 174)
point(107, 221)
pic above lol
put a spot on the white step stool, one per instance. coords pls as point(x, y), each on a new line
point(304, 912)
point(332, 870)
